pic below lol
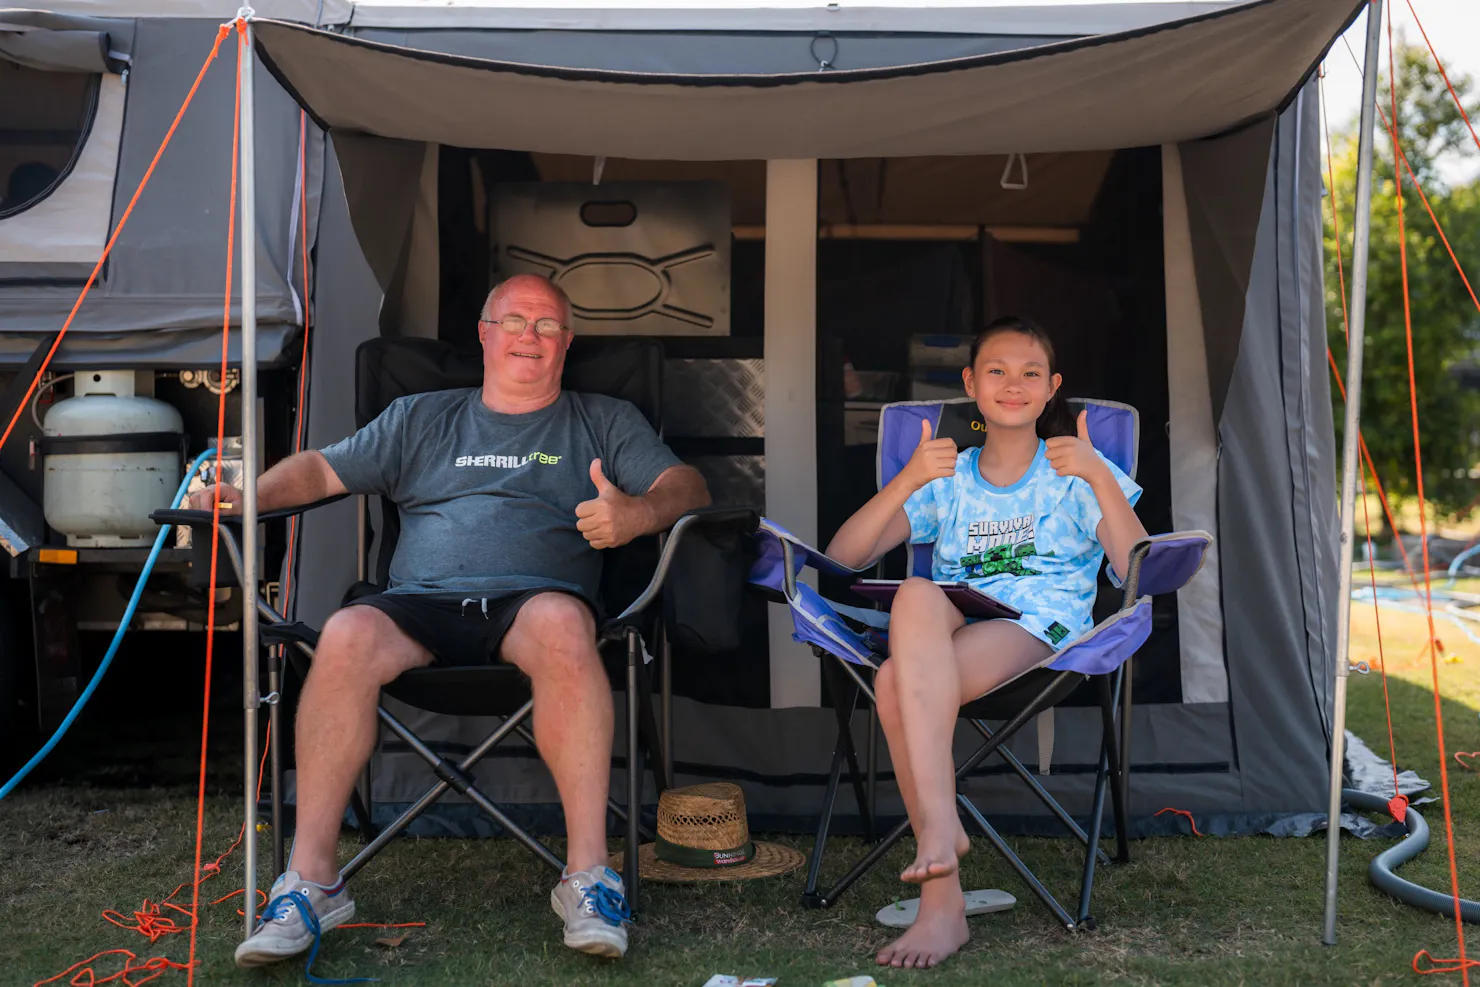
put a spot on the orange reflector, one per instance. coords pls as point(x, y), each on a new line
point(57, 556)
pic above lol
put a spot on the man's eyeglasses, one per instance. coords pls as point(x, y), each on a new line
point(515, 325)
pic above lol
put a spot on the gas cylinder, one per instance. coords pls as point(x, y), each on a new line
point(111, 456)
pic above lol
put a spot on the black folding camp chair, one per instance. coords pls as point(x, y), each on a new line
point(632, 578)
point(850, 641)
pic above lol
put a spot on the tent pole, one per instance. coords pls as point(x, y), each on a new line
point(1349, 455)
point(250, 699)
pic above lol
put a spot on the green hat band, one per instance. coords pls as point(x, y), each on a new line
point(687, 856)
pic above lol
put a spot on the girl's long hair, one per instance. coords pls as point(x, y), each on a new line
point(1057, 417)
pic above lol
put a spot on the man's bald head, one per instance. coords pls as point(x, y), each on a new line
point(523, 285)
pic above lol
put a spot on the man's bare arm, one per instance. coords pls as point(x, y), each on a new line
point(304, 478)
point(676, 491)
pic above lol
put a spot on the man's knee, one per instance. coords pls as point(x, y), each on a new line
point(553, 634)
point(363, 643)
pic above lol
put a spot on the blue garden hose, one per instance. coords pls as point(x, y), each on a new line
point(128, 615)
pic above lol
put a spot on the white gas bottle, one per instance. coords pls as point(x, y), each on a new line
point(111, 457)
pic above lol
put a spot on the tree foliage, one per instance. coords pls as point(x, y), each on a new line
point(1445, 321)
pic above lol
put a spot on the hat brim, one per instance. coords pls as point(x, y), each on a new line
point(770, 860)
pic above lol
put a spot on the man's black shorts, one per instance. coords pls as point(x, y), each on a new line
point(456, 631)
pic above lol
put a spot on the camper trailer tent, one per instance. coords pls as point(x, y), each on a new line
point(822, 186)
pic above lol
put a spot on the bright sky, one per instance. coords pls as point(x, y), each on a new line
point(1454, 28)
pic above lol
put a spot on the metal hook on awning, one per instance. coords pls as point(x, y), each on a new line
point(1006, 182)
point(823, 64)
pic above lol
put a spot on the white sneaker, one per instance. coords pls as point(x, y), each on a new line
point(593, 905)
point(297, 912)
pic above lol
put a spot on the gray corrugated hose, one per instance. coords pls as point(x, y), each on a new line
point(1380, 871)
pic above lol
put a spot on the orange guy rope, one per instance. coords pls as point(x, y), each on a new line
point(1459, 925)
point(205, 719)
point(1447, 83)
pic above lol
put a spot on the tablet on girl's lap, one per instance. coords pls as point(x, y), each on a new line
point(970, 601)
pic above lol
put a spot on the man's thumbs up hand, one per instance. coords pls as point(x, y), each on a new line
point(603, 485)
point(1074, 455)
point(613, 518)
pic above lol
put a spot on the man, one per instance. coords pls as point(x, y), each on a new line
point(506, 494)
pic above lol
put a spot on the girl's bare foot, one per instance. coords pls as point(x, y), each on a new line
point(936, 856)
point(936, 934)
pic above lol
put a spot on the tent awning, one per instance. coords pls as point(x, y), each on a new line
point(54, 42)
point(1162, 84)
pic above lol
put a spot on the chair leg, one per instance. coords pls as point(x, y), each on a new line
point(452, 776)
point(994, 742)
point(634, 773)
point(1037, 789)
point(653, 739)
point(1117, 764)
point(665, 689)
point(872, 768)
point(1029, 878)
point(845, 702)
point(1125, 750)
point(275, 753)
point(830, 897)
point(810, 897)
point(1106, 776)
point(1096, 822)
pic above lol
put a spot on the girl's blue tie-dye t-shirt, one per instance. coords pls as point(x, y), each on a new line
point(1031, 545)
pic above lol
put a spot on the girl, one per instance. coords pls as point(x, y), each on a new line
point(1026, 518)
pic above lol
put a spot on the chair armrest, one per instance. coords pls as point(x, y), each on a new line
point(740, 519)
point(1165, 563)
point(782, 555)
point(200, 522)
point(203, 519)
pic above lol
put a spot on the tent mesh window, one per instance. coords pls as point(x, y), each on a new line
point(44, 120)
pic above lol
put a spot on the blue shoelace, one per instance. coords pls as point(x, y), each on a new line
point(281, 906)
point(610, 905)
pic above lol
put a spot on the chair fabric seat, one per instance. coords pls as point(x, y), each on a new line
point(463, 690)
point(1006, 701)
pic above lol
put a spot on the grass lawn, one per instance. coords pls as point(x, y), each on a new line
point(1185, 911)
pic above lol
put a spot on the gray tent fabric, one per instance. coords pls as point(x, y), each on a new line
point(1184, 73)
point(346, 314)
point(1224, 184)
point(60, 51)
point(165, 276)
point(1073, 19)
point(1164, 84)
point(1277, 500)
point(380, 184)
point(1253, 200)
point(118, 30)
point(701, 53)
point(168, 349)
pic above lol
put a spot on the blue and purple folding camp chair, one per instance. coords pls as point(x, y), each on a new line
point(852, 642)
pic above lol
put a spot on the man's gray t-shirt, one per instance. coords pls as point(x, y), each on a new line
point(487, 500)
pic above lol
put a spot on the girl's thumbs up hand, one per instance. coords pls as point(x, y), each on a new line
point(933, 459)
point(1074, 455)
